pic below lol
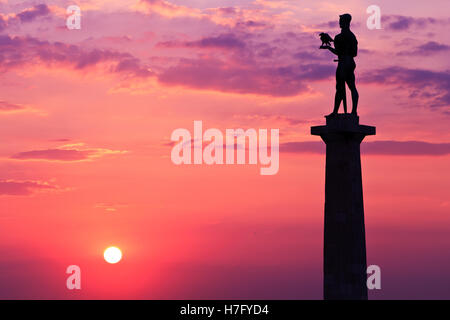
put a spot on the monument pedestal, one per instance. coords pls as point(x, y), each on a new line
point(345, 266)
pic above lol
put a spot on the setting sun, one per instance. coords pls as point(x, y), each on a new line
point(112, 255)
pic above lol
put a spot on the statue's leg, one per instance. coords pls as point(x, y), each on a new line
point(352, 86)
point(340, 91)
point(344, 99)
point(340, 88)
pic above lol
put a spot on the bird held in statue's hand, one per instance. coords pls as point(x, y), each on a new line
point(326, 39)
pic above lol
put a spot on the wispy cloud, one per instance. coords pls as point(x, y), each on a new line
point(109, 207)
point(428, 48)
point(72, 152)
point(25, 187)
point(403, 23)
point(8, 107)
point(223, 41)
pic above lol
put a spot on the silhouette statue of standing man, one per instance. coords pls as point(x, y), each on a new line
point(346, 48)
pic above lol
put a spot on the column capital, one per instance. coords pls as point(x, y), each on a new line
point(343, 123)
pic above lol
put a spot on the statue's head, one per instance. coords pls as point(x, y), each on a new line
point(344, 20)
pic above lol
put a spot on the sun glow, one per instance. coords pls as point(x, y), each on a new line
point(112, 255)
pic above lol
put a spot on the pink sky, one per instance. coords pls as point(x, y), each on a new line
point(85, 123)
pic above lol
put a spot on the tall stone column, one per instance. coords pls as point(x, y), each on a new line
point(344, 263)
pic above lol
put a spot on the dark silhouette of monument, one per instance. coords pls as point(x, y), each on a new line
point(345, 266)
point(346, 48)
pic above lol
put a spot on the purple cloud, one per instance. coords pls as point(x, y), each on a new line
point(252, 66)
point(28, 15)
point(397, 148)
point(431, 86)
point(334, 25)
point(3, 23)
point(245, 78)
point(251, 24)
point(223, 41)
point(33, 13)
point(402, 23)
point(428, 48)
point(304, 55)
point(227, 10)
point(20, 51)
point(406, 148)
point(303, 147)
point(251, 63)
